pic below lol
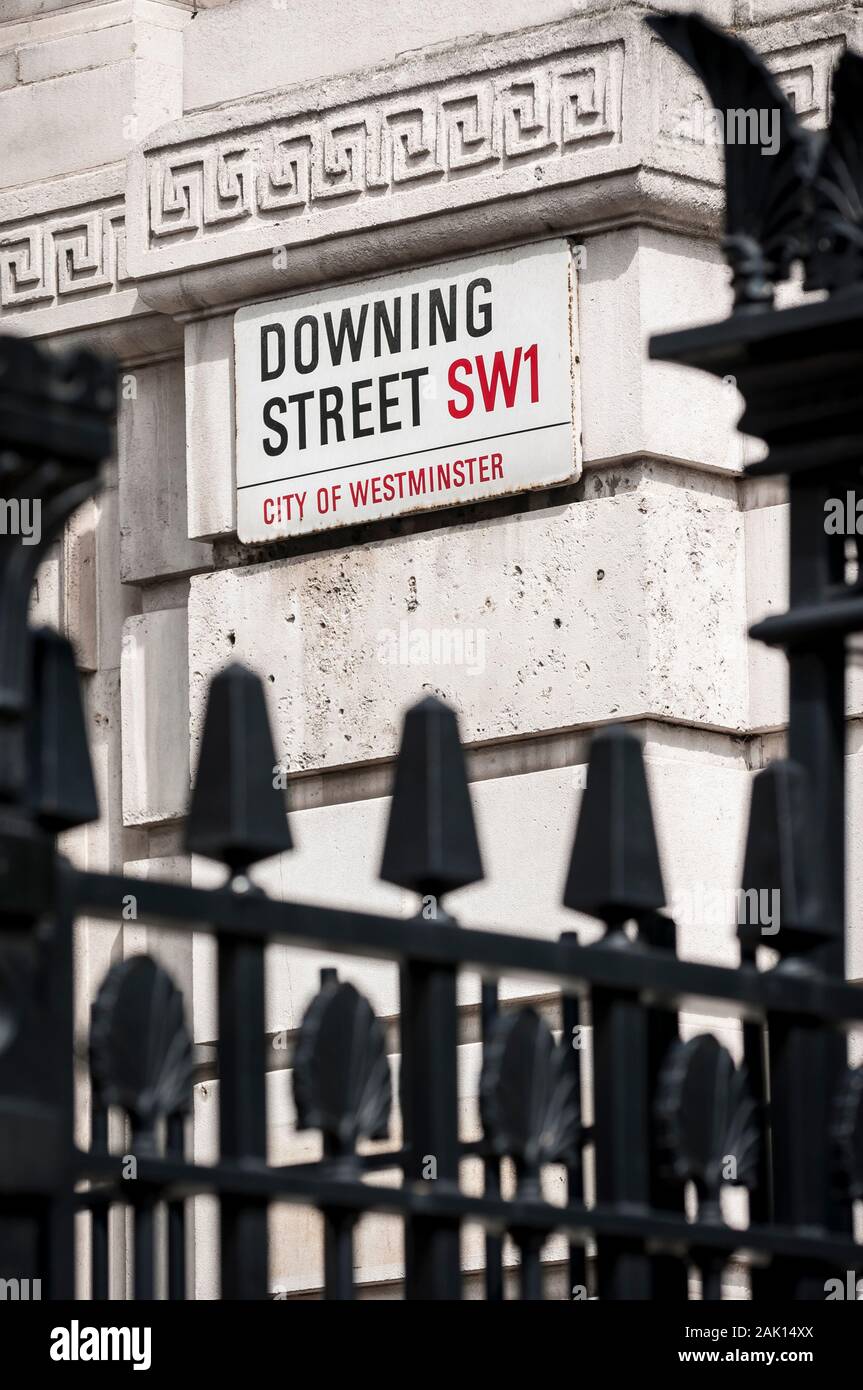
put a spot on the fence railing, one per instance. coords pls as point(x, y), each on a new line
point(666, 1117)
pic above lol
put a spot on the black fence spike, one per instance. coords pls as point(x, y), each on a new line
point(238, 813)
point(431, 843)
point(614, 872)
point(779, 859)
point(61, 790)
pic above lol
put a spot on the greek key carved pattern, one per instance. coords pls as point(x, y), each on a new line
point(802, 72)
point(79, 252)
point(463, 129)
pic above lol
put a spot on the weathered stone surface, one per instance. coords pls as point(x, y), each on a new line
point(560, 617)
point(172, 948)
point(153, 527)
point(766, 592)
point(112, 113)
point(210, 427)
point(155, 717)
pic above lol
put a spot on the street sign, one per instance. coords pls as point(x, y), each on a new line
point(443, 385)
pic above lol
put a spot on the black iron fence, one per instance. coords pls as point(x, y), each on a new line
point(665, 1116)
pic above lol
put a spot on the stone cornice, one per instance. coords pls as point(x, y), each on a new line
point(63, 264)
point(489, 141)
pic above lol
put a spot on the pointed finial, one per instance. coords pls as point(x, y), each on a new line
point(614, 873)
point(238, 813)
point(62, 793)
point(431, 843)
point(780, 861)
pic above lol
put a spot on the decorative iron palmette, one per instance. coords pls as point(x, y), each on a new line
point(835, 256)
point(706, 1118)
point(342, 1082)
point(803, 199)
point(765, 196)
point(140, 1048)
point(528, 1100)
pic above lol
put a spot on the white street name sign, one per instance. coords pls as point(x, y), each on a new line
point(443, 385)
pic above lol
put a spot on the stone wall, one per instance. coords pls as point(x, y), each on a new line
point(155, 157)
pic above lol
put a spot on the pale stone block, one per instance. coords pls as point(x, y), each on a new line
point(155, 717)
point(626, 606)
point(766, 531)
point(46, 596)
point(235, 51)
point(31, 9)
point(172, 949)
point(210, 427)
point(8, 70)
point(114, 107)
point(80, 586)
point(126, 934)
point(104, 844)
point(153, 527)
point(76, 52)
point(632, 284)
point(114, 601)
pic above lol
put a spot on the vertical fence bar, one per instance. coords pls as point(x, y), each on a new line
point(622, 1134)
point(572, 1026)
point(755, 1045)
point(338, 1223)
point(432, 849)
point(668, 1273)
point(144, 1211)
point(101, 1210)
point(175, 1147)
point(430, 1110)
point(242, 1114)
point(338, 1242)
point(61, 1232)
point(615, 875)
point(807, 1058)
point(491, 1165)
point(238, 817)
point(530, 1245)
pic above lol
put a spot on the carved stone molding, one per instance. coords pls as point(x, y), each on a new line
point(63, 265)
point(569, 128)
point(80, 252)
point(285, 174)
point(494, 140)
point(429, 140)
